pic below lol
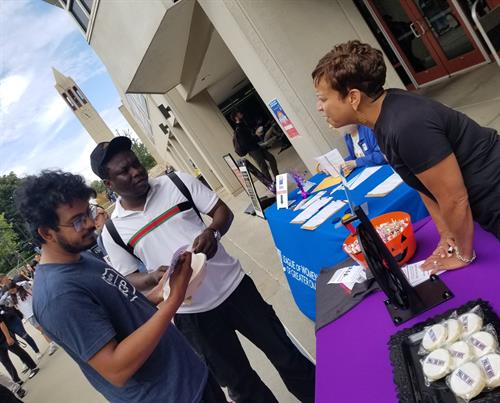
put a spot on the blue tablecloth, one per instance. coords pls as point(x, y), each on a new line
point(304, 253)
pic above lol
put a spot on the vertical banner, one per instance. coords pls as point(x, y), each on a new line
point(234, 167)
point(250, 188)
point(285, 123)
point(282, 191)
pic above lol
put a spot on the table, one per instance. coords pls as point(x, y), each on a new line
point(304, 253)
point(354, 347)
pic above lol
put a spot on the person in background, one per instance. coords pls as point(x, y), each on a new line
point(8, 343)
point(124, 342)
point(363, 148)
point(21, 298)
point(246, 142)
point(443, 154)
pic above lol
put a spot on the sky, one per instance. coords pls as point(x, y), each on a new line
point(37, 128)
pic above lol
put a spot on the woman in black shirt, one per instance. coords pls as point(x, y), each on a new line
point(447, 157)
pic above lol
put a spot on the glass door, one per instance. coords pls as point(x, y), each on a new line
point(442, 26)
point(405, 35)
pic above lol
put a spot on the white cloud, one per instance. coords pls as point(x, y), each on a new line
point(11, 90)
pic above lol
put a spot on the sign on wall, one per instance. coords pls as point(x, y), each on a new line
point(282, 118)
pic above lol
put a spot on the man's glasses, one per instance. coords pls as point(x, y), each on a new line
point(80, 220)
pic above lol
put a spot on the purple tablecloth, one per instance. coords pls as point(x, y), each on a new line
point(352, 364)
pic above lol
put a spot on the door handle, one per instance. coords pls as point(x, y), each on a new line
point(415, 33)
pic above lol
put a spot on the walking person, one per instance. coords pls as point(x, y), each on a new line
point(124, 342)
point(245, 142)
point(151, 221)
point(8, 343)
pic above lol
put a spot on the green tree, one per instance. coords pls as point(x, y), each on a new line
point(8, 246)
point(8, 185)
point(140, 150)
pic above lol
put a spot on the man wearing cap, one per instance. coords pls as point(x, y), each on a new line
point(154, 219)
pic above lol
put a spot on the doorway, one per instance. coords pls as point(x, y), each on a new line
point(430, 37)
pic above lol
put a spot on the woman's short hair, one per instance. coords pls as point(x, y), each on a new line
point(38, 197)
point(352, 65)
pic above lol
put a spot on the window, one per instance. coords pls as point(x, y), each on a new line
point(79, 94)
point(87, 4)
point(75, 99)
point(139, 110)
point(69, 101)
point(80, 14)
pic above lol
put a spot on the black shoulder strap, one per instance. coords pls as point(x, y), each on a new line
point(184, 190)
point(110, 226)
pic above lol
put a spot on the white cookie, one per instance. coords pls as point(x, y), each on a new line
point(482, 343)
point(460, 352)
point(467, 381)
point(471, 323)
point(454, 328)
point(491, 367)
point(434, 337)
point(437, 364)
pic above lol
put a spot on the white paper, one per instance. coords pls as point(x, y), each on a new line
point(307, 202)
point(414, 273)
point(308, 185)
point(282, 191)
point(324, 214)
point(362, 176)
point(311, 210)
point(331, 162)
point(387, 186)
point(349, 276)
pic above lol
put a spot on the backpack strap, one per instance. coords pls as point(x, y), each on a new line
point(185, 192)
point(110, 226)
point(113, 232)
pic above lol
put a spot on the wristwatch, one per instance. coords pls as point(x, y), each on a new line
point(217, 234)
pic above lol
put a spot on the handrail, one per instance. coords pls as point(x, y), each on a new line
point(483, 32)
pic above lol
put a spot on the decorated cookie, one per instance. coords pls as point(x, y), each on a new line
point(460, 353)
point(454, 328)
point(437, 364)
point(471, 323)
point(467, 381)
point(482, 343)
point(491, 367)
point(434, 337)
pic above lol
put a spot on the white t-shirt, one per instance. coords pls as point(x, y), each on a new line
point(160, 230)
point(358, 152)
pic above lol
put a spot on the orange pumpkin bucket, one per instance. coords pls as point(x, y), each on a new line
point(396, 231)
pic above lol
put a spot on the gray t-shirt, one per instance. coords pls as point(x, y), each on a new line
point(83, 306)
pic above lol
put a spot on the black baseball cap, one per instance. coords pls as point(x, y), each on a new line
point(104, 151)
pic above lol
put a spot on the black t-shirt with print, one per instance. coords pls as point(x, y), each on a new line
point(415, 133)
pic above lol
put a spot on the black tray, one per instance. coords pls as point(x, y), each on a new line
point(407, 370)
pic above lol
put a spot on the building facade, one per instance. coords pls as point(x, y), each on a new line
point(175, 63)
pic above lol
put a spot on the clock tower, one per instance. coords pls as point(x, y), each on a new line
point(82, 108)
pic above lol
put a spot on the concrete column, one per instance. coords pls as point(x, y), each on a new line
point(208, 130)
point(188, 146)
point(277, 44)
point(181, 156)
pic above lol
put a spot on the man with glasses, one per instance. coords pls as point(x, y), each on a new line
point(125, 345)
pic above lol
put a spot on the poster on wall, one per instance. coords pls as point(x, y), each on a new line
point(282, 118)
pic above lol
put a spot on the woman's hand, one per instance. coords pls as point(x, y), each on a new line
point(445, 247)
point(349, 165)
point(436, 264)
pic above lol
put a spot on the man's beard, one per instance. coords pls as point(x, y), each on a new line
point(74, 249)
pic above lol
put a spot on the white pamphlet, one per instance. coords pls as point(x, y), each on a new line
point(325, 213)
point(349, 276)
point(311, 210)
point(282, 191)
point(362, 176)
point(414, 273)
point(331, 162)
point(386, 187)
point(307, 202)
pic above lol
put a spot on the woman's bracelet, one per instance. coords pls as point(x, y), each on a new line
point(464, 259)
